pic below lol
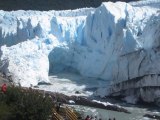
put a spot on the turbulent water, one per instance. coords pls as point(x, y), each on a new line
point(68, 83)
point(136, 113)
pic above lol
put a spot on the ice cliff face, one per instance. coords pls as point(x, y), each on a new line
point(118, 42)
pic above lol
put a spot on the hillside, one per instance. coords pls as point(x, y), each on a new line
point(41, 5)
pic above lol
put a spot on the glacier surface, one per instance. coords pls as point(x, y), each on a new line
point(117, 42)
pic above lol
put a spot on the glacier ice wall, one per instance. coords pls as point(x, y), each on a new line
point(118, 42)
point(28, 37)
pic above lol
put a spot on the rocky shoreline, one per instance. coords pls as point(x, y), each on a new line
point(77, 100)
point(152, 116)
point(80, 100)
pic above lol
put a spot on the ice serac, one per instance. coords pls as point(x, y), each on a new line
point(118, 42)
point(28, 39)
point(126, 39)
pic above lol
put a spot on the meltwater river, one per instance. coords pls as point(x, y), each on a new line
point(137, 112)
point(68, 83)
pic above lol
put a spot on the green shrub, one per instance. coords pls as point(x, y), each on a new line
point(5, 112)
point(27, 104)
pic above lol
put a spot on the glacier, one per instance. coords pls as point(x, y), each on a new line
point(117, 42)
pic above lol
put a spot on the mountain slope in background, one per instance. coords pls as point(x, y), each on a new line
point(44, 5)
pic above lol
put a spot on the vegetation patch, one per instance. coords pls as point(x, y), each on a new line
point(20, 104)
